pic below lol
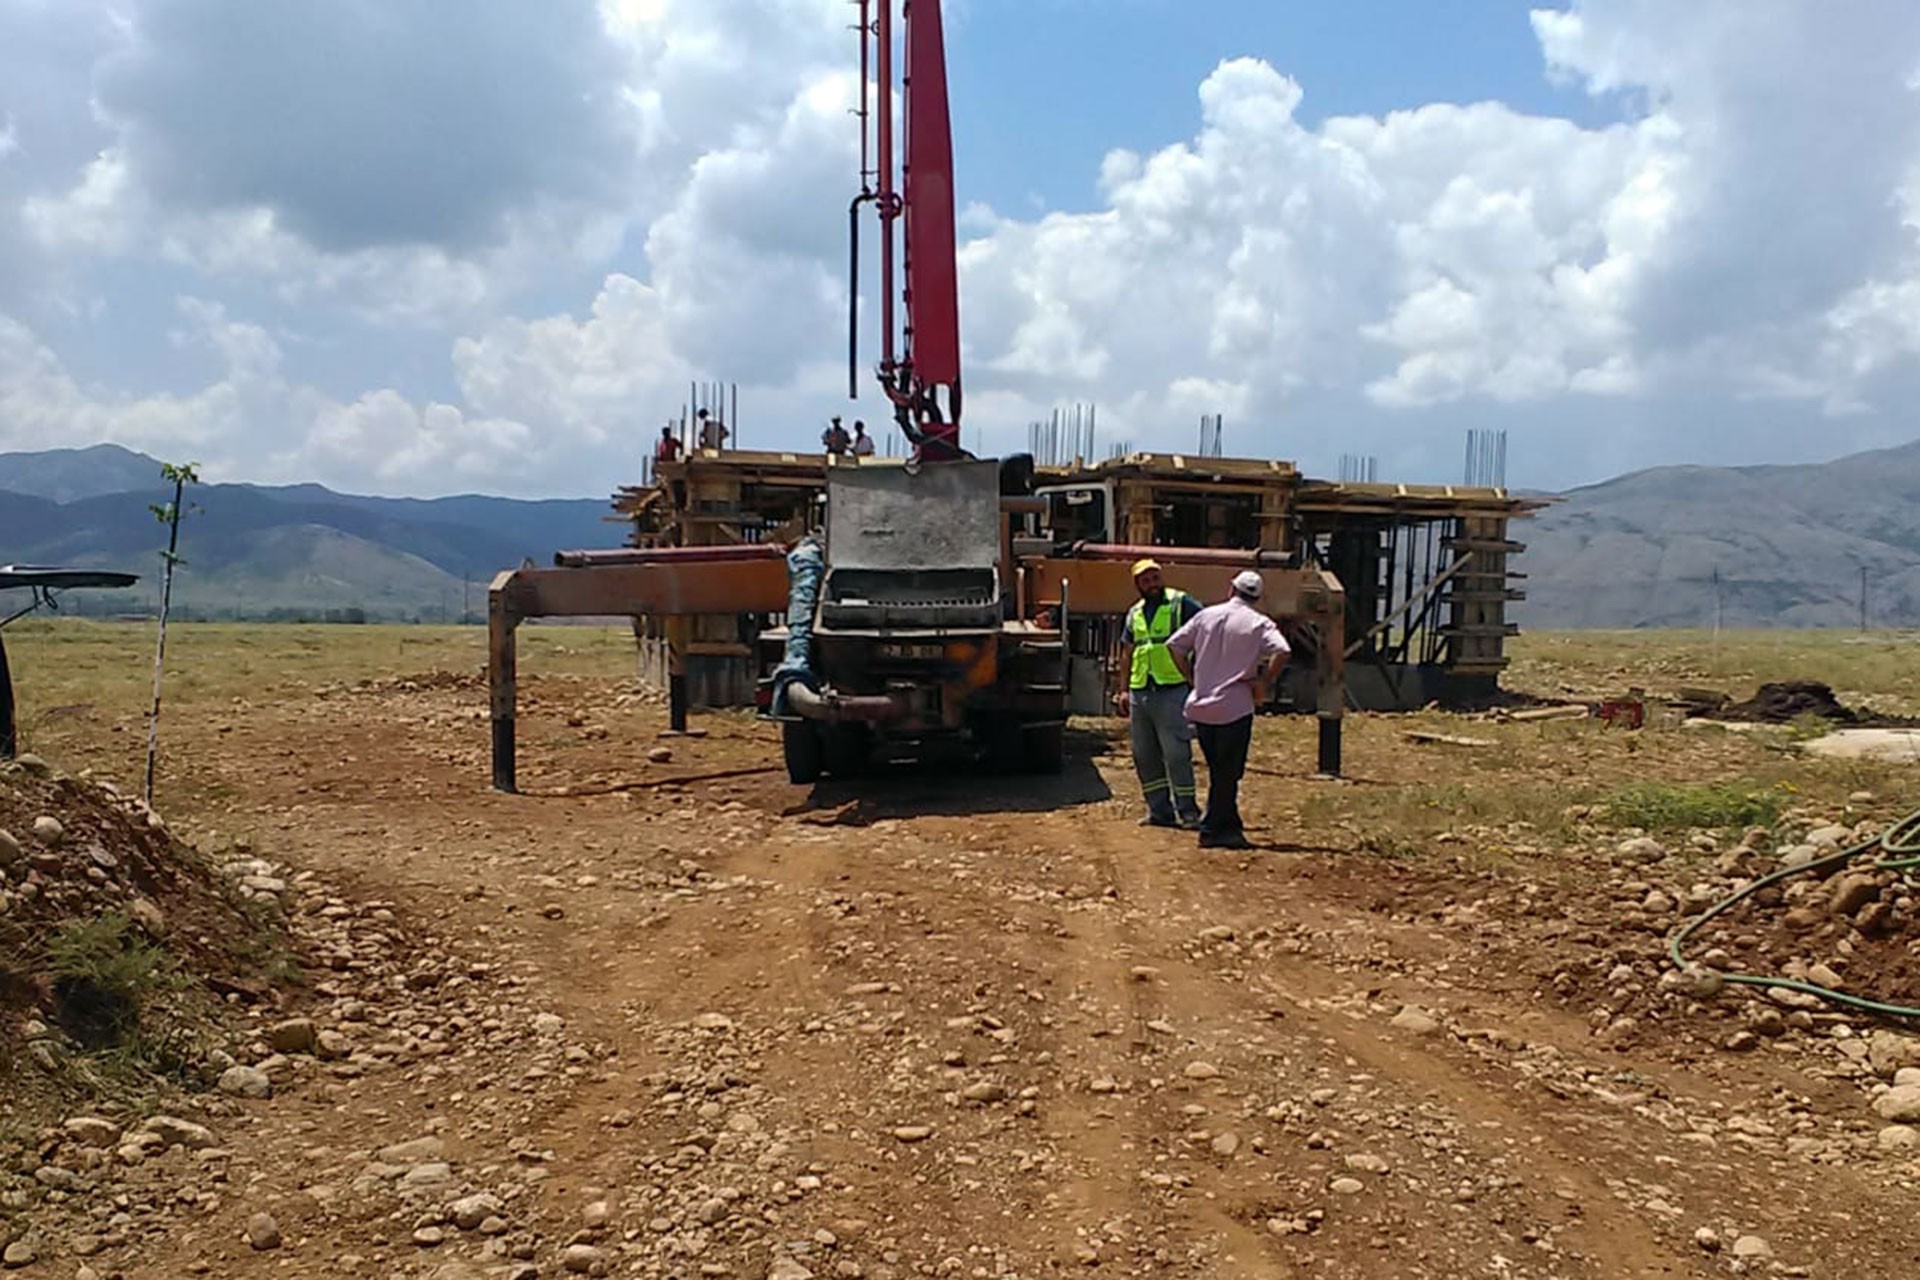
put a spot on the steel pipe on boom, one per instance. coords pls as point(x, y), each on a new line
point(920, 362)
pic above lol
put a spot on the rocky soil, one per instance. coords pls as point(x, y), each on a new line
point(670, 1017)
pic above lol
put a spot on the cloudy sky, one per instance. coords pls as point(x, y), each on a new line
point(441, 246)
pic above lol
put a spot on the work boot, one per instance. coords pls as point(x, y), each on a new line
point(1190, 821)
point(1158, 820)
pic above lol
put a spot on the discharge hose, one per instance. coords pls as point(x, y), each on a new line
point(806, 566)
point(1895, 849)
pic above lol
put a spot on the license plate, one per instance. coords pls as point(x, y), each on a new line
point(913, 652)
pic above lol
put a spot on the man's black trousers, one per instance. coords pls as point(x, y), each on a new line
point(1225, 747)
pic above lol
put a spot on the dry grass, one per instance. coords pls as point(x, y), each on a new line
point(1879, 667)
point(59, 663)
point(83, 687)
point(1545, 785)
point(1542, 788)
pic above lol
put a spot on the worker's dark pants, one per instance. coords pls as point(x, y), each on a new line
point(1225, 746)
point(1163, 750)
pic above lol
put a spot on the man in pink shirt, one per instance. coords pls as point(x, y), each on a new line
point(1225, 651)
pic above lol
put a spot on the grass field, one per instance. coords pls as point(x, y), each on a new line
point(84, 687)
point(1882, 667)
point(63, 662)
point(66, 662)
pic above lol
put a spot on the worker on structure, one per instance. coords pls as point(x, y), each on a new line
point(835, 438)
point(1155, 700)
point(668, 450)
point(713, 432)
point(1230, 653)
point(862, 442)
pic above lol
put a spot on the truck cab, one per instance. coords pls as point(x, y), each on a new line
point(904, 639)
point(1080, 512)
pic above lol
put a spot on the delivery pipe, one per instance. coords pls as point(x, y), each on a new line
point(1183, 555)
point(815, 705)
point(665, 555)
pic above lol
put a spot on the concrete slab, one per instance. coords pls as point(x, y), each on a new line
point(1900, 746)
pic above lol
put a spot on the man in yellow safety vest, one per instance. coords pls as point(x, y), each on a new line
point(1155, 700)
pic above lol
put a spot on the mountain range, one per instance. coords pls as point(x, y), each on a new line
point(1789, 546)
point(1667, 547)
point(288, 551)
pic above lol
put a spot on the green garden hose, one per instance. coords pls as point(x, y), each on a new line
point(1898, 849)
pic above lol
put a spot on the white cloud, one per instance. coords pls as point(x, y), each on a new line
point(750, 257)
point(1790, 133)
point(99, 217)
point(628, 195)
point(368, 160)
point(382, 442)
point(594, 378)
point(43, 406)
point(1742, 237)
point(365, 125)
point(252, 420)
point(1428, 256)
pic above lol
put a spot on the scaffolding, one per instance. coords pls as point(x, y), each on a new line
point(1428, 569)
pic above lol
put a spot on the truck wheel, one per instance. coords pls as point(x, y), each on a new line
point(1002, 745)
point(801, 748)
point(848, 750)
point(1045, 750)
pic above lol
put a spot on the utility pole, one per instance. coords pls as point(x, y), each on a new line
point(1716, 618)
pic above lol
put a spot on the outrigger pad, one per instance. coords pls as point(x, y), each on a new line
point(9, 743)
point(39, 579)
point(33, 575)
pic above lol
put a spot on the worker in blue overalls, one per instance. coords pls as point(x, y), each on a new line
point(1155, 700)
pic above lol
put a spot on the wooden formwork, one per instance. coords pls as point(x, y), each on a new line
point(1172, 500)
point(677, 585)
point(719, 498)
point(1429, 572)
point(1427, 569)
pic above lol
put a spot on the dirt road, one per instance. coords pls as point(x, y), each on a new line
point(960, 1026)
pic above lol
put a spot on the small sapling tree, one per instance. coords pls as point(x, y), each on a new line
point(180, 475)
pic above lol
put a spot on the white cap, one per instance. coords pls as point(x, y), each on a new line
point(1247, 583)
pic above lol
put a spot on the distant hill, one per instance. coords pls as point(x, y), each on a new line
point(64, 475)
point(296, 550)
point(1641, 550)
point(1788, 544)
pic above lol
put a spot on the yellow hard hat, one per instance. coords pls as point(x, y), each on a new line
point(1141, 566)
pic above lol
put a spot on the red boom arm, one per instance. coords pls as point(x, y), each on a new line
point(930, 348)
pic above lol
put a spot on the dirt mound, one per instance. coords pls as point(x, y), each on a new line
point(421, 682)
point(1788, 700)
point(109, 926)
point(1857, 915)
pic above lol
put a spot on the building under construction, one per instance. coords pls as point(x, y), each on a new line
point(1428, 569)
